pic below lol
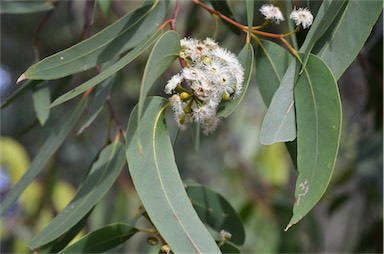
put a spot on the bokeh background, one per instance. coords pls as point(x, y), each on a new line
point(257, 180)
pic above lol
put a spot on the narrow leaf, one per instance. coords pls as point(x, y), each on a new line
point(53, 142)
point(102, 239)
point(158, 183)
point(124, 34)
point(97, 103)
point(246, 58)
point(163, 54)
point(24, 7)
point(318, 109)
point(129, 57)
point(339, 46)
point(215, 211)
point(250, 11)
point(279, 122)
point(41, 100)
point(104, 5)
point(100, 179)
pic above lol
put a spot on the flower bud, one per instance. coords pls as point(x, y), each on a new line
point(184, 96)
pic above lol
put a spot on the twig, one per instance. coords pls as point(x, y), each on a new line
point(113, 116)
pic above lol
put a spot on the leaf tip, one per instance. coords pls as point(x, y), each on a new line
point(21, 78)
point(287, 227)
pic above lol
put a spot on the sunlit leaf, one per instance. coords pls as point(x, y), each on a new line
point(158, 183)
point(41, 100)
point(50, 146)
point(215, 211)
point(129, 57)
point(99, 180)
point(318, 109)
point(24, 7)
point(246, 57)
point(102, 239)
point(339, 46)
point(126, 33)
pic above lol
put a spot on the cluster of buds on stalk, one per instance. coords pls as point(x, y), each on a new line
point(211, 75)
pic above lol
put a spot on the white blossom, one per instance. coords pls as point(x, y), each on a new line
point(272, 12)
point(172, 83)
point(302, 16)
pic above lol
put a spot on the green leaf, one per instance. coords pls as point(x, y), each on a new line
point(158, 183)
point(100, 179)
point(246, 57)
point(41, 100)
point(229, 248)
point(319, 117)
point(346, 36)
point(279, 122)
point(52, 143)
point(23, 7)
point(30, 84)
point(97, 103)
point(104, 5)
point(163, 54)
point(272, 62)
point(103, 239)
point(250, 11)
point(223, 8)
point(126, 33)
point(324, 18)
point(215, 211)
point(129, 57)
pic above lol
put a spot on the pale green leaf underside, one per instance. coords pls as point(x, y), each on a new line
point(102, 239)
point(124, 34)
point(246, 58)
point(158, 183)
point(99, 180)
point(50, 146)
point(41, 99)
point(319, 118)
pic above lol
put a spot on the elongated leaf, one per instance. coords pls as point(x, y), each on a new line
point(97, 103)
point(129, 57)
point(279, 123)
point(103, 239)
point(158, 184)
point(23, 7)
point(224, 8)
point(246, 57)
point(163, 54)
point(272, 62)
point(53, 142)
point(22, 90)
point(318, 109)
point(41, 100)
point(124, 34)
point(229, 248)
point(104, 5)
point(324, 18)
point(250, 11)
point(215, 211)
point(346, 36)
point(102, 175)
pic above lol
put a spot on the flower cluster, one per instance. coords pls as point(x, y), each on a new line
point(302, 16)
point(211, 74)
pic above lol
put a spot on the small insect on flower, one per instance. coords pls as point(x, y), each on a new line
point(272, 12)
point(302, 16)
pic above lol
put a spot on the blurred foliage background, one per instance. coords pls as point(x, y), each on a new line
point(257, 180)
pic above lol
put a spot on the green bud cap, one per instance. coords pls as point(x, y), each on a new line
point(184, 96)
point(226, 96)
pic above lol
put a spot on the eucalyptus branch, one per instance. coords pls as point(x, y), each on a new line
point(113, 116)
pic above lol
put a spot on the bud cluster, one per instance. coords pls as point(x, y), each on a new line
point(211, 75)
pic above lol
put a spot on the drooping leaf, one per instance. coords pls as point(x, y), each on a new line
point(215, 211)
point(50, 146)
point(97, 103)
point(246, 57)
point(224, 8)
point(279, 122)
point(318, 110)
point(102, 239)
point(272, 62)
point(129, 57)
point(339, 46)
point(22, 90)
point(41, 100)
point(126, 33)
point(158, 183)
point(250, 11)
point(101, 177)
point(24, 7)
point(163, 54)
